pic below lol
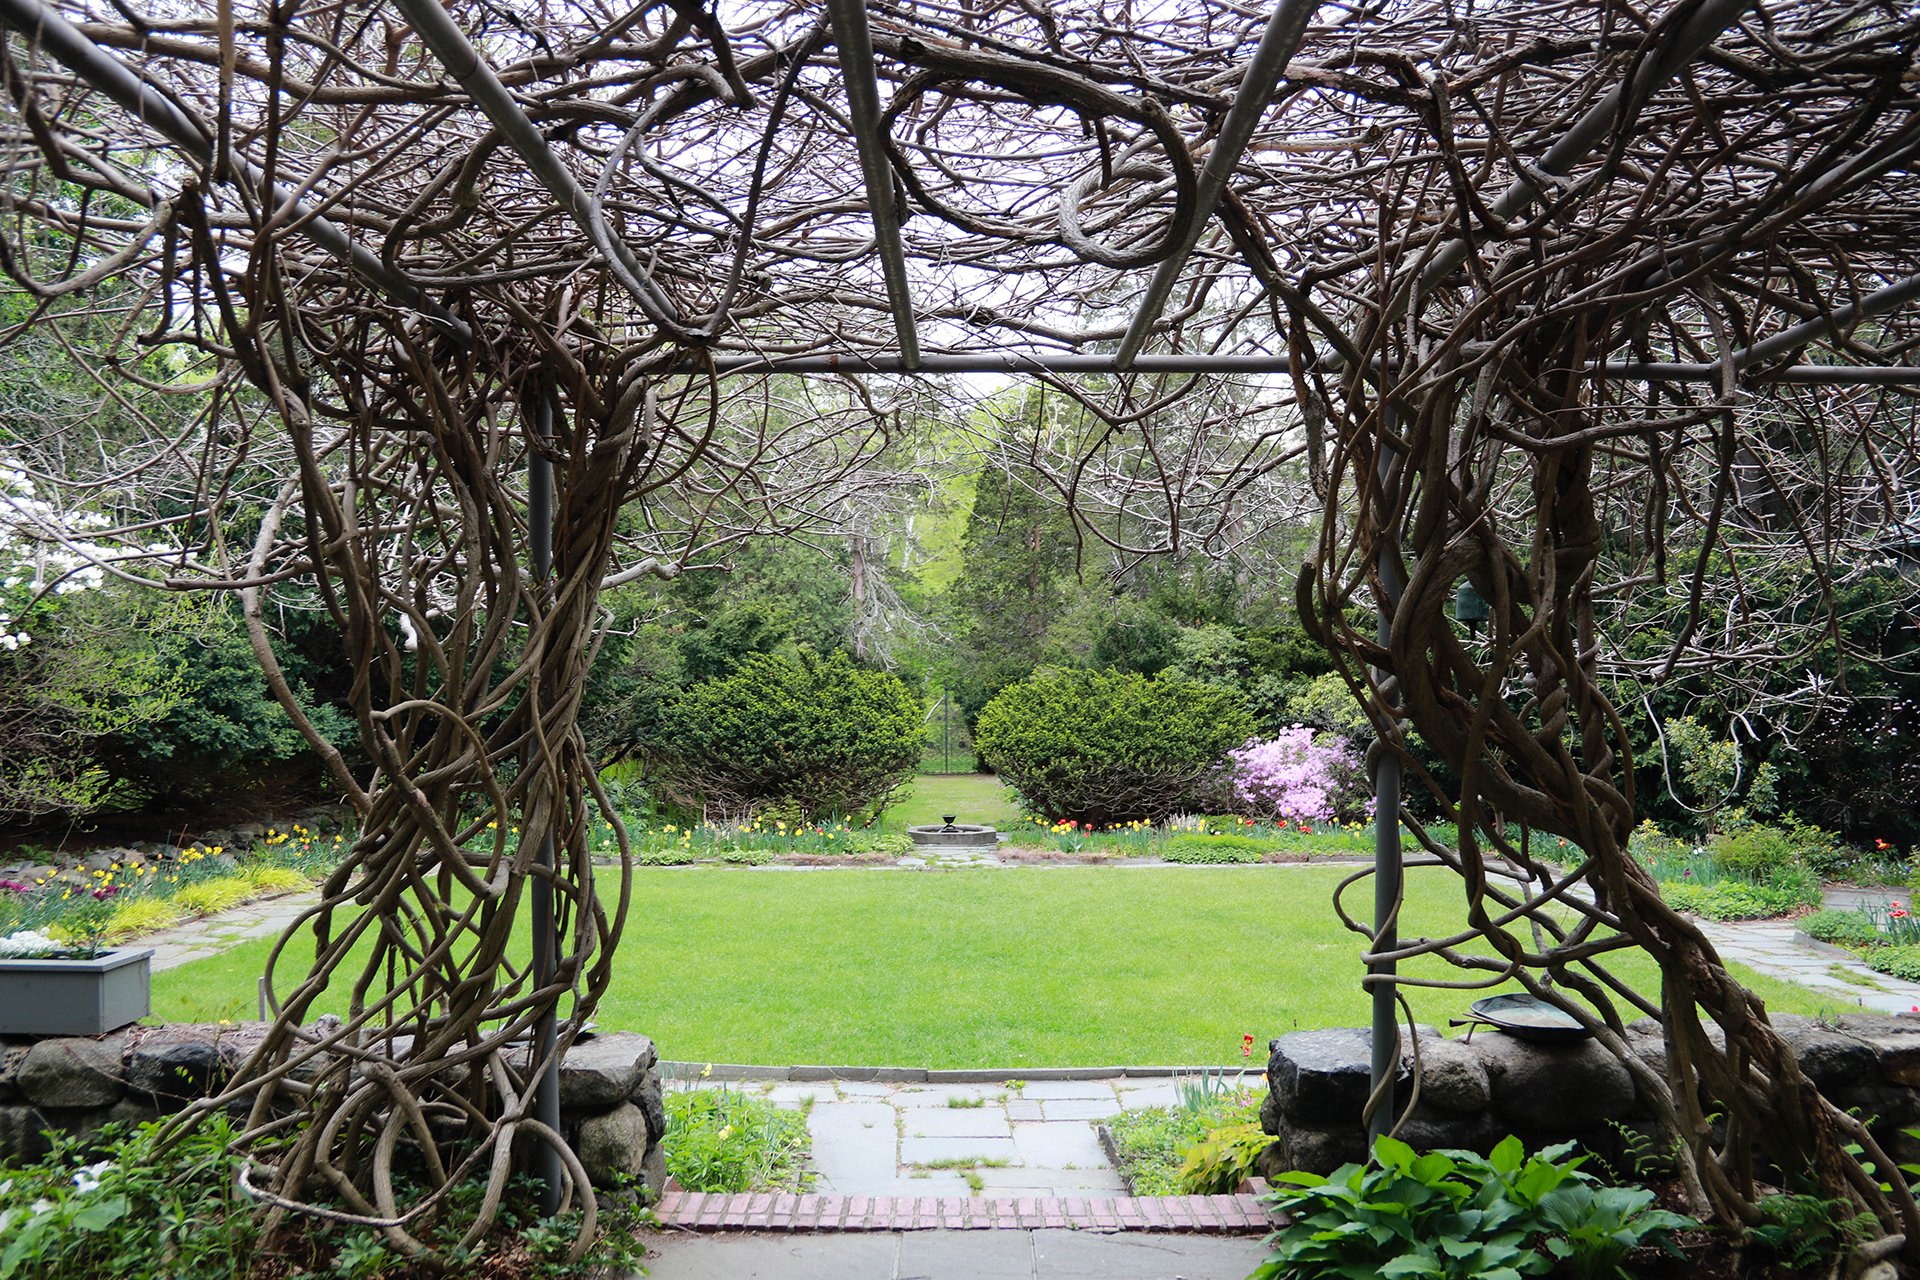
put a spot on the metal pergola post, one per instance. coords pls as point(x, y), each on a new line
point(1387, 864)
point(855, 41)
point(1278, 42)
point(547, 1165)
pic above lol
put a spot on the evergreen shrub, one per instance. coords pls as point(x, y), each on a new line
point(1756, 851)
point(1111, 747)
point(809, 734)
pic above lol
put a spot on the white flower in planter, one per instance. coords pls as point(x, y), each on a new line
point(29, 944)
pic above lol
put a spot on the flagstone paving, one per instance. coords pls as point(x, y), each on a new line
point(1777, 949)
point(202, 939)
point(1017, 1138)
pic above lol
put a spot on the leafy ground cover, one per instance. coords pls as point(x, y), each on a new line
point(123, 1203)
point(728, 1140)
point(1151, 1144)
point(993, 967)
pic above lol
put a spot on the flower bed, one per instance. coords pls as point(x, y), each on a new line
point(81, 907)
point(728, 1140)
point(757, 840)
point(1887, 941)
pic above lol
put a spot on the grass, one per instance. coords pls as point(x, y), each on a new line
point(1002, 968)
point(970, 797)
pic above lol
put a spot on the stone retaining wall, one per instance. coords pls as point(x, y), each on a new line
point(1475, 1092)
point(610, 1103)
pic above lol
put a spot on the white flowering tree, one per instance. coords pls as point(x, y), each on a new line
point(70, 674)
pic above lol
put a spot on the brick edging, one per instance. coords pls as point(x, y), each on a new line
point(766, 1211)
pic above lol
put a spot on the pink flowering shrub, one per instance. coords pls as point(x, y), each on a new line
point(1291, 777)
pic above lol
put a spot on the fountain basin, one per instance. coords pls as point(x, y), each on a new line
point(954, 835)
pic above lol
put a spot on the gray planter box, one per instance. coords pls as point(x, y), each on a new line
point(74, 997)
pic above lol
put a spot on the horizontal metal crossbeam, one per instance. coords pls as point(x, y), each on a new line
point(1013, 362)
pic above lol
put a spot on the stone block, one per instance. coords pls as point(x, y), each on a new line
point(1312, 1149)
point(1832, 1059)
point(603, 1071)
point(1554, 1088)
point(1435, 1129)
point(1895, 1043)
point(1452, 1076)
point(1880, 1106)
point(647, 1097)
point(238, 1043)
point(613, 1144)
point(12, 1054)
point(73, 1071)
point(653, 1173)
point(128, 1112)
point(22, 1140)
point(174, 1064)
point(1322, 1078)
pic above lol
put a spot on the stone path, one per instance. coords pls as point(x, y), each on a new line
point(208, 937)
point(1777, 949)
point(1019, 1138)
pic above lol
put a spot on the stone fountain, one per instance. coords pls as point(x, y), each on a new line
point(954, 835)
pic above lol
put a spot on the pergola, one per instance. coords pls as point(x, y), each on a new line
point(1494, 281)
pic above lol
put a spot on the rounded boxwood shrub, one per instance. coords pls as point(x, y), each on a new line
point(1104, 747)
point(1756, 851)
point(1842, 928)
point(806, 734)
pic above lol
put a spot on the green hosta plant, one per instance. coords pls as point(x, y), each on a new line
point(1220, 1162)
point(1599, 1225)
point(1454, 1215)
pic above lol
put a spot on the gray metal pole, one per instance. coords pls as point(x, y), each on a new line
point(1277, 44)
point(548, 1167)
point(851, 33)
point(1387, 868)
point(1060, 362)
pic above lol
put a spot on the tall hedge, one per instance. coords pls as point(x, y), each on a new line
point(804, 733)
point(1112, 746)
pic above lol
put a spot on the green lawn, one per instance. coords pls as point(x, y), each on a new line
point(970, 797)
point(1015, 967)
